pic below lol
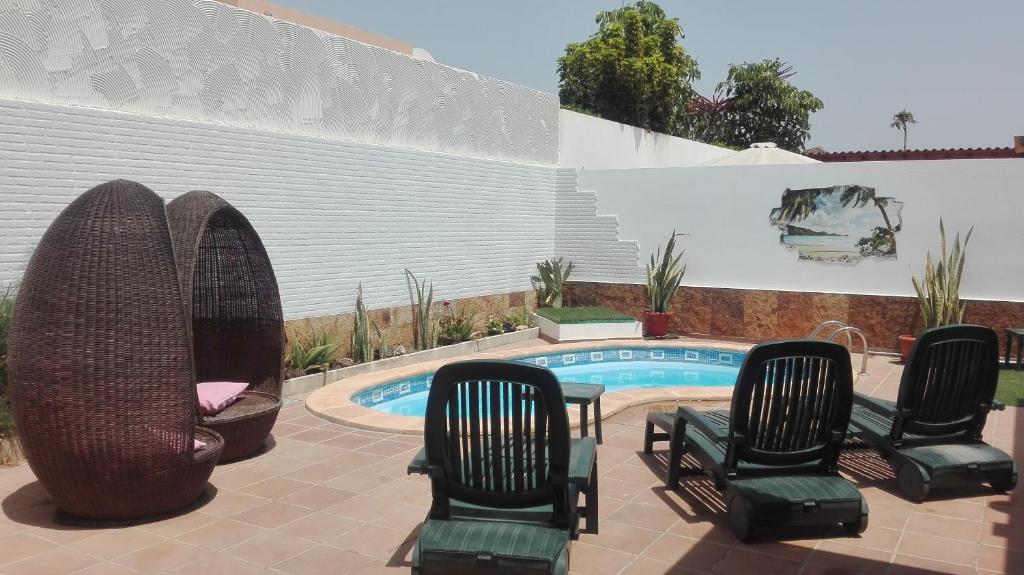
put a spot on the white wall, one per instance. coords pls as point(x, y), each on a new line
point(593, 143)
point(206, 61)
point(730, 242)
point(332, 214)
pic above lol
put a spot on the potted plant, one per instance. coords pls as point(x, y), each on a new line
point(938, 295)
point(664, 275)
point(550, 282)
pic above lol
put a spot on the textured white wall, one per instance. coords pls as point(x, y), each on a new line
point(730, 242)
point(332, 214)
point(206, 61)
point(597, 144)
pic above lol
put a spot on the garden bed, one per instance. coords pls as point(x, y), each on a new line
point(586, 323)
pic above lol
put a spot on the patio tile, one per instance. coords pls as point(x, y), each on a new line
point(351, 460)
point(221, 534)
point(316, 473)
point(655, 517)
point(163, 557)
point(593, 560)
point(317, 497)
point(57, 562)
point(1000, 560)
point(972, 509)
point(364, 507)
point(21, 546)
point(929, 524)
point(742, 560)
point(623, 537)
point(351, 441)
point(221, 564)
point(106, 568)
point(693, 554)
point(835, 554)
point(388, 448)
point(371, 540)
point(321, 526)
point(620, 489)
point(174, 526)
point(404, 518)
point(323, 561)
point(315, 435)
point(273, 514)
point(227, 503)
point(907, 565)
point(274, 488)
point(950, 550)
point(271, 548)
point(646, 566)
point(110, 544)
point(285, 429)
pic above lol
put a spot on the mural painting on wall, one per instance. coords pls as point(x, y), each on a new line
point(838, 224)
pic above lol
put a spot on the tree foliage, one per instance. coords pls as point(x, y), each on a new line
point(755, 103)
point(900, 121)
point(632, 70)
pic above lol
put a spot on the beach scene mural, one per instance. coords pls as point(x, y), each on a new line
point(844, 223)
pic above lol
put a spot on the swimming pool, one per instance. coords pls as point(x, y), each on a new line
point(617, 369)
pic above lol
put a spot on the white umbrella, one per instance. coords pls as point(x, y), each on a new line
point(761, 153)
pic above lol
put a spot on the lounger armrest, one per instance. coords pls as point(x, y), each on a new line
point(582, 456)
point(706, 426)
point(419, 463)
point(880, 406)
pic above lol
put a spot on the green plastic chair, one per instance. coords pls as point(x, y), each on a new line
point(775, 452)
point(932, 434)
point(499, 457)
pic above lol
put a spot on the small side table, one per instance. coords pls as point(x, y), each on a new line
point(1015, 333)
point(584, 394)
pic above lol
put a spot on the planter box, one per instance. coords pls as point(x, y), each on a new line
point(313, 381)
point(589, 330)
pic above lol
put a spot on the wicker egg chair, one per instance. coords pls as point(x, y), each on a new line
point(235, 310)
point(101, 376)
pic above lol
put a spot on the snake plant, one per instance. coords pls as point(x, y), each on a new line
point(664, 275)
point(550, 282)
point(421, 329)
point(362, 350)
point(938, 295)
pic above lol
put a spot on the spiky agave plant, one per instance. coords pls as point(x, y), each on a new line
point(938, 295)
point(313, 351)
point(422, 333)
point(362, 350)
point(550, 282)
point(664, 274)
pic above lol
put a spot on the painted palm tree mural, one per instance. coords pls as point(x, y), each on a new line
point(838, 224)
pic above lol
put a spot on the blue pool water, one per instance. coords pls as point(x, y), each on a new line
point(617, 369)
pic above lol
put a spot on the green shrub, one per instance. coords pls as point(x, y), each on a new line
point(9, 450)
point(493, 326)
point(550, 282)
point(313, 350)
point(362, 349)
point(455, 325)
point(938, 296)
point(424, 297)
point(516, 318)
point(664, 274)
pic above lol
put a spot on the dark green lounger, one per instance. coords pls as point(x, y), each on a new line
point(776, 451)
point(931, 435)
point(498, 454)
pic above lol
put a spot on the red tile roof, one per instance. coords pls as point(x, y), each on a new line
point(938, 154)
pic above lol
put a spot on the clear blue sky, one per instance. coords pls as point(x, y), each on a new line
point(957, 65)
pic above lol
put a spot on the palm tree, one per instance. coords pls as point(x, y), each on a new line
point(860, 196)
point(900, 122)
point(798, 204)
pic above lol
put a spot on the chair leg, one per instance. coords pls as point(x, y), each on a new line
point(597, 421)
point(649, 438)
point(677, 443)
point(592, 500)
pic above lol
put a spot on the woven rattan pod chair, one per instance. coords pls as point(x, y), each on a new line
point(101, 375)
point(235, 310)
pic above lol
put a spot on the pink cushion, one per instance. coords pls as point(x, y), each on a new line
point(197, 445)
point(214, 396)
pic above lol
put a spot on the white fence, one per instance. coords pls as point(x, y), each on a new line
point(724, 212)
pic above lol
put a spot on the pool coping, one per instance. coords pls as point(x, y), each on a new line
point(334, 403)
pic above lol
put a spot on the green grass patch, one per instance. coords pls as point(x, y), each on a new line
point(583, 315)
point(1011, 387)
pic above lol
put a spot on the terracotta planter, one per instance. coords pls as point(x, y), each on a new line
point(906, 344)
point(656, 323)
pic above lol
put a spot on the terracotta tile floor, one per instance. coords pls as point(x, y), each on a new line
point(331, 499)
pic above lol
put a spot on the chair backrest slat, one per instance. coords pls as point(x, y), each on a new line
point(497, 434)
point(790, 400)
point(948, 384)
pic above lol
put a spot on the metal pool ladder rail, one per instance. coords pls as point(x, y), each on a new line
point(839, 328)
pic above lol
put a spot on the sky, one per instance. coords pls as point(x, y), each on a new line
point(957, 65)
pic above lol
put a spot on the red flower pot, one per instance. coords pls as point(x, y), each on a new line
point(656, 324)
point(906, 344)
